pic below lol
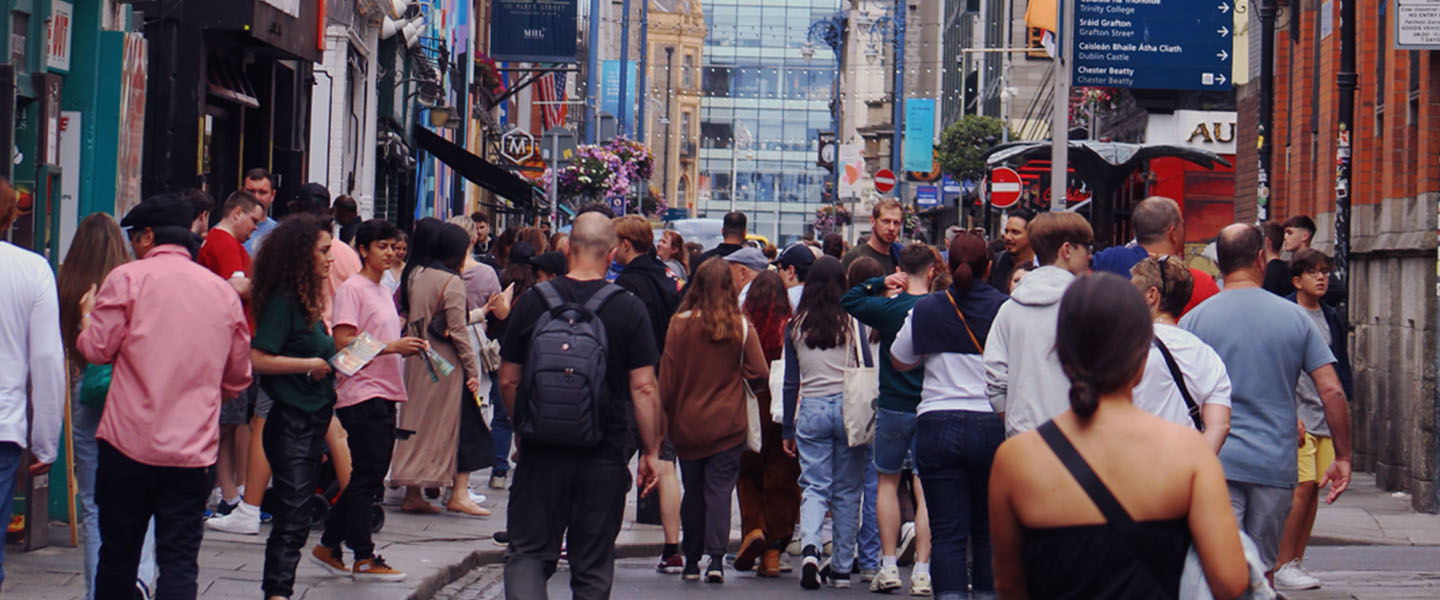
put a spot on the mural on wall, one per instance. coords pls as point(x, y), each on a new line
point(132, 124)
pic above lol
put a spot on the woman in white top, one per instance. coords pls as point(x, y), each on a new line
point(1166, 283)
point(956, 431)
point(818, 347)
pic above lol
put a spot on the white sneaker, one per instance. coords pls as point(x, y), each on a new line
point(920, 584)
point(1291, 577)
point(244, 520)
point(887, 579)
point(906, 550)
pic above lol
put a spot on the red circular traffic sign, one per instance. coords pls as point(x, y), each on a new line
point(884, 181)
point(1005, 187)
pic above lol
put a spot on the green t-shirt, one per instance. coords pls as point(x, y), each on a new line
point(282, 329)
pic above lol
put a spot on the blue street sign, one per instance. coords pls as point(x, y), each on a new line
point(950, 186)
point(927, 196)
point(1154, 44)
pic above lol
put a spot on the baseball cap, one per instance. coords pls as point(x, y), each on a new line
point(749, 257)
point(554, 263)
point(798, 256)
point(158, 211)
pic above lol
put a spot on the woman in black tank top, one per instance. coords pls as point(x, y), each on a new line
point(1062, 529)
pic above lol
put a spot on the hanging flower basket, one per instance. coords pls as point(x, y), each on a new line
point(605, 172)
point(487, 74)
point(830, 218)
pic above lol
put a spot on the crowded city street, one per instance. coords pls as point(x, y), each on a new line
point(754, 299)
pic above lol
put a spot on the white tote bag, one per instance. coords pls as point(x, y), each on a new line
point(862, 388)
point(753, 440)
point(777, 390)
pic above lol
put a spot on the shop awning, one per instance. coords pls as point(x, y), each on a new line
point(479, 171)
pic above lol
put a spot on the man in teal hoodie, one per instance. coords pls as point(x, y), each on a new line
point(882, 304)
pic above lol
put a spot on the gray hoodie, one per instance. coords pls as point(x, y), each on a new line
point(1023, 377)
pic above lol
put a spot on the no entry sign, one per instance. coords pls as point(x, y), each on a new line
point(1005, 187)
point(884, 181)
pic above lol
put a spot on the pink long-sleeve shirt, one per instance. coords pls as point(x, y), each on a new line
point(177, 338)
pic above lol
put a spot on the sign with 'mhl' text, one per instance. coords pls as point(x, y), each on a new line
point(533, 30)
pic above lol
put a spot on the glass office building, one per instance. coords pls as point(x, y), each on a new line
point(760, 77)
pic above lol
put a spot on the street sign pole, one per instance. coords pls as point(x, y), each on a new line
point(1060, 108)
point(555, 182)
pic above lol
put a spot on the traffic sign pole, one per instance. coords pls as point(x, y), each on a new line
point(1060, 108)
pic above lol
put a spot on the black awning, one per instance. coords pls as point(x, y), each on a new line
point(478, 170)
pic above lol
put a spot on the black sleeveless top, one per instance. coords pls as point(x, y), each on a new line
point(1118, 559)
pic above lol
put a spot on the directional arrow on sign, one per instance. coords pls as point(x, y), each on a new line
point(1223, 31)
point(1221, 78)
point(1224, 8)
point(1222, 54)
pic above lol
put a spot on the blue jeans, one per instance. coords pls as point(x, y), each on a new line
point(954, 452)
point(832, 475)
point(10, 454)
point(501, 430)
point(869, 525)
point(84, 420)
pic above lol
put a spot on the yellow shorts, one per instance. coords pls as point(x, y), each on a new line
point(1315, 457)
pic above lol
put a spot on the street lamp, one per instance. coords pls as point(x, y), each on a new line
point(831, 32)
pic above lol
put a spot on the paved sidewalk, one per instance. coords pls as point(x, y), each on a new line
point(436, 550)
point(1366, 515)
point(433, 550)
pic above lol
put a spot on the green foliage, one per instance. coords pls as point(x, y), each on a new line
point(964, 142)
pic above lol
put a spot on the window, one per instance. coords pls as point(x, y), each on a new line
point(687, 75)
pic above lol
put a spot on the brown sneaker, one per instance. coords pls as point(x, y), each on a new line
point(329, 558)
point(769, 564)
point(375, 569)
point(750, 550)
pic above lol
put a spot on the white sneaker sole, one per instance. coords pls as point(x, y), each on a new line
point(374, 577)
point(217, 524)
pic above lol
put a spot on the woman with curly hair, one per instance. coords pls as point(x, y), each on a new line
point(289, 352)
point(769, 494)
point(705, 408)
point(442, 435)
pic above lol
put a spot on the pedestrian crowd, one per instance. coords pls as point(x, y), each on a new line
point(1017, 418)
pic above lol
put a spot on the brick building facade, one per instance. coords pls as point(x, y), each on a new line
point(1395, 188)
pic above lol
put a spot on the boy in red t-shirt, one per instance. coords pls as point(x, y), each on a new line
point(224, 254)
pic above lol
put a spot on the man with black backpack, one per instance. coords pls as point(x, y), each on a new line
point(576, 352)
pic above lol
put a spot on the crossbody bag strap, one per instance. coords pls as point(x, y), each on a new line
point(1179, 377)
point(963, 321)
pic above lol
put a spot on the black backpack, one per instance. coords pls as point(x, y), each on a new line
point(564, 386)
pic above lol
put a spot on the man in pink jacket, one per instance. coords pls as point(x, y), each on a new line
point(177, 338)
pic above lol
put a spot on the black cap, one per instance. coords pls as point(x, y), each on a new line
point(521, 253)
point(798, 256)
point(551, 262)
point(159, 211)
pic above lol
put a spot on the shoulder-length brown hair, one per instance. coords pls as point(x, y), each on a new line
point(713, 299)
point(97, 248)
point(286, 265)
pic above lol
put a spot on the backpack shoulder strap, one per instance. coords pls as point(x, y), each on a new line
point(1179, 377)
point(1079, 469)
point(598, 300)
point(549, 295)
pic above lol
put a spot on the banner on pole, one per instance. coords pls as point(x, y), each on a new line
point(919, 142)
point(610, 84)
point(852, 169)
point(533, 30)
